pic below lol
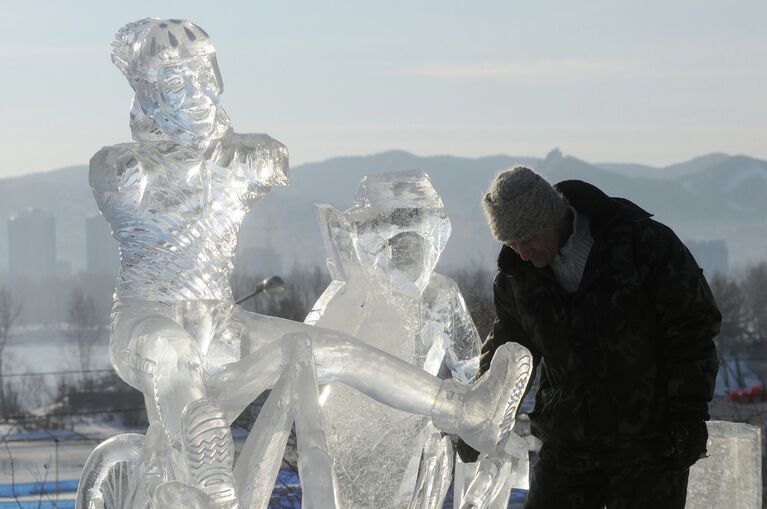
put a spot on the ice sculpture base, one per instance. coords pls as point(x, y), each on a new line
point(732, 474)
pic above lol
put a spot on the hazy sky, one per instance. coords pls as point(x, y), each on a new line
point(653, 82)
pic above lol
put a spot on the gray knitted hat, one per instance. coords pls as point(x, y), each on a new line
point(520, 203)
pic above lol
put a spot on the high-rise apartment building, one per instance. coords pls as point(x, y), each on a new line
point(32, 244)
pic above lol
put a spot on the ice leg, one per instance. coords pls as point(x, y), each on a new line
point(338, 357)
point(482, 414)
point(315, 468)
point(192, 424)
point(260, 459)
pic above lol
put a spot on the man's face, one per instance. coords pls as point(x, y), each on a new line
point(540, 249)
point(188, 95)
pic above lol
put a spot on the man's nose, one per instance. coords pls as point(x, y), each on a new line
point(193, 88)
point(524, 252)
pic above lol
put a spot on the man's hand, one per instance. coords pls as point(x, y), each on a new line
point(684, 443)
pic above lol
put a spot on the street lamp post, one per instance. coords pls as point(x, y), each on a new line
point(268, 285)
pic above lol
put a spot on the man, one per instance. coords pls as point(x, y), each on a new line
point(620, 320)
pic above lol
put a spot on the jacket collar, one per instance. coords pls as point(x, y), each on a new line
point(602, 211)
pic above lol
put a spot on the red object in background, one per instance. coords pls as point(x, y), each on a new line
point(756, 394)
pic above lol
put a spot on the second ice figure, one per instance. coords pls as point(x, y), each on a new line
point(382, 253)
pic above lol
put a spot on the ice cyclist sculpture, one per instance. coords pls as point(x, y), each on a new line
point(175, 198)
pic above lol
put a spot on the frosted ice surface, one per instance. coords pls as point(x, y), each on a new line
point(175, 198)
point(491, 480)
point(731, 476)
point(400, 229)
point(381, 254)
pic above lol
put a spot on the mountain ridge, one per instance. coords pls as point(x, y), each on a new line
point(715, 196)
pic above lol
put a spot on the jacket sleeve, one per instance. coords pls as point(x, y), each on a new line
point(688, 319)
point(506, 327)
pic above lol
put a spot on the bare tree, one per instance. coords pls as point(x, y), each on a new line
point(755, 289)
point(735, 336)
point(10, 311)
point(84, 326)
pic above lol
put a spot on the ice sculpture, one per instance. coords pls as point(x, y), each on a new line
point(382, 255)
point(731, 476)
point(175, 198)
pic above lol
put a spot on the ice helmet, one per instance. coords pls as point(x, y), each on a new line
point(140, 48)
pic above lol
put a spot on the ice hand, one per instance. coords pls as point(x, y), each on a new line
point(513, 446)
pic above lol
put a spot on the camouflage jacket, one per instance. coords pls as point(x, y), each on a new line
point(631, 349)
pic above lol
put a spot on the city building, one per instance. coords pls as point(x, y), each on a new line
point(32, 244)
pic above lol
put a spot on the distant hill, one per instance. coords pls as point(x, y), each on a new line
point(674, 171)
point(711, 197)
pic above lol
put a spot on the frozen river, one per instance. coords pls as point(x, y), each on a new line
point(47, 349)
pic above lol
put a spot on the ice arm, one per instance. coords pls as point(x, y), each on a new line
point(461, 342)
point(263, 160)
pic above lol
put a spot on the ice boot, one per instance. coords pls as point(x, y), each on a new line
point(483, 414)
point(209, 451)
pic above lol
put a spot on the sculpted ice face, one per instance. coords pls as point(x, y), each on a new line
point(171, 65)
point(187, 98)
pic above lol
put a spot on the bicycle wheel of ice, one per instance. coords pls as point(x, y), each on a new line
point(109, 478)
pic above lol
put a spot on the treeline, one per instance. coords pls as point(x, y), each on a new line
point(742, 341)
